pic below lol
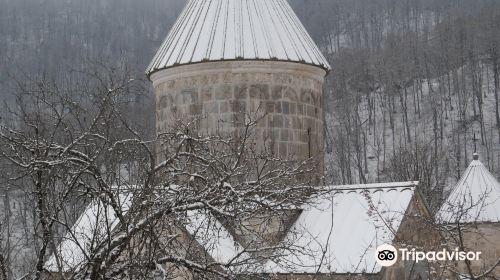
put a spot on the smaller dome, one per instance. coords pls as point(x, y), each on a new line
point(219, 30)
point(475, 198)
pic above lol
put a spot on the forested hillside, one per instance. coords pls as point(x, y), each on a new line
point(412, 81)
point(413, 92)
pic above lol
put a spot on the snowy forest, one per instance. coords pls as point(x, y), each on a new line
point(414, 90)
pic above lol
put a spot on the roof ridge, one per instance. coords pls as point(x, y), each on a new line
point(388, 185)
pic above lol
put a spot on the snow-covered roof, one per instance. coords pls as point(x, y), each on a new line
point(204, 228)
point(218, 242)
point(219, 30)
point(91, 228)
point(475, 198)
point(336, 234)
point(339, 234)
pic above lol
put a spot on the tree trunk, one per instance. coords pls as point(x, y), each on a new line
point(497, 86)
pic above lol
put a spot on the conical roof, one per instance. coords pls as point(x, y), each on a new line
point(216, 30)
point(475, 198)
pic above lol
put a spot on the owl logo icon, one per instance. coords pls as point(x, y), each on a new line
point(386, 255)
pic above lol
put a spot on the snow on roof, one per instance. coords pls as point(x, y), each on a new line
point(91, 228)
point(237, 30)
point(217, 241)
point(391, 185)
point(204, 228)
point(475, 198)
point(340, 233)
point(347, 226)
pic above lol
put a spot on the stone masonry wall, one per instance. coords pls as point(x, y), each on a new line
point(290, 103)
point(484, 238)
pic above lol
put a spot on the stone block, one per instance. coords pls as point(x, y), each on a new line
point(296, 122)
point(297, 135)
point(277, 93)
point(293, 108)
point(292, 95)
point(305, 96)
point(176, 97)
point(252, 106)
point(258, 91)
point(286, 121)
point(269, 135)
point(300, 109)
point(278, 108)
point(269, 107)
point(267, 78)
point(189, 96)
point(292, 150)
point(226, 78)
point(206, 94)
point(213, 107)
point(223, 92)
point(277, 121)
point(237, 106)
point(245, 77)
point(213, 79)
point(283, 149)
point(240, 92)
point(284, 135)
point(310, 111)
point(171, 84)
point(224, 107)
point(262, 122)
point(163, 102)
point(286, 107)
point(304, 137)
point(239, 119)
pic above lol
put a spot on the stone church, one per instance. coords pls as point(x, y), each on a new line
point(223, 60)
point(470, 218)
point(226, 60)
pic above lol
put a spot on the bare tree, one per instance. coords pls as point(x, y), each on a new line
point(66, 151)
point(463, 228)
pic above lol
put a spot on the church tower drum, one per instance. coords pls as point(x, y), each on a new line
point(224, 59)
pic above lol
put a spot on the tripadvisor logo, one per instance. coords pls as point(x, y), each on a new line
point(387, 255)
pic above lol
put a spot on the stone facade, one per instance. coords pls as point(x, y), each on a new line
point(286, 97)
point(416, 231)
point(484, 238)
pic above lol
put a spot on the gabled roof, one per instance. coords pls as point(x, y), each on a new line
point(475, 198)
point(340, 232)
point(219, 30)
point(337, 233)
point(218, 242)
point(89, 230)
